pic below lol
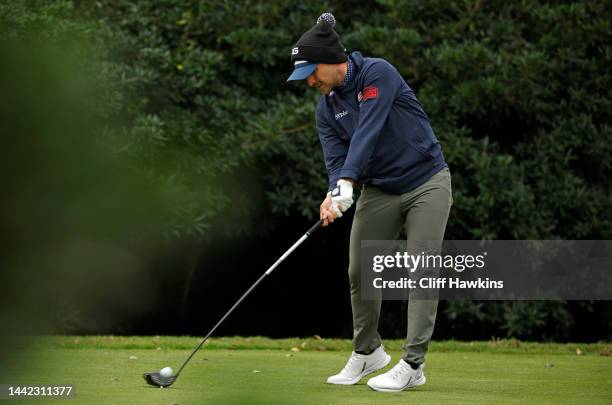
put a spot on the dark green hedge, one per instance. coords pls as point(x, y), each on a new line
point(517, 92)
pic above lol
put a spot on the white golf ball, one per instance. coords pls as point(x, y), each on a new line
point(166, 372)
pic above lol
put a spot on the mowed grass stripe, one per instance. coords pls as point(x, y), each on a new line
point(508, 346)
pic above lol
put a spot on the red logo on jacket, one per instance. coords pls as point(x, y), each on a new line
point(369, 92)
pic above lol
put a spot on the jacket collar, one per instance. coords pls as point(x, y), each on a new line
point(357, 60)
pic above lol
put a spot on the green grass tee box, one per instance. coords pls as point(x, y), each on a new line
point(109, 370)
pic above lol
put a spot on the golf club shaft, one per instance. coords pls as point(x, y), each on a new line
point(259, 280)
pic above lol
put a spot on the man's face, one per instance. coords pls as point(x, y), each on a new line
point(325, 77)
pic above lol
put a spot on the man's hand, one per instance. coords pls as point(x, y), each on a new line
point(325, 211)
point(342, 197)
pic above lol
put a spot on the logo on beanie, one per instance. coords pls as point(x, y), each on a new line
point(294, 51)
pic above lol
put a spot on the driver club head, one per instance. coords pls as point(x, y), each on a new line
point(157, 380)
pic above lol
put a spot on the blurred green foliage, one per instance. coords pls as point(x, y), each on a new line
point(191, 99)
point(75, 226)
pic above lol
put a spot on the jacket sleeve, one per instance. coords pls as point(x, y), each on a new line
point(334, 149)
point(380, 85)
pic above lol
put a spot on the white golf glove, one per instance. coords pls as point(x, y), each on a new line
point(342, 197)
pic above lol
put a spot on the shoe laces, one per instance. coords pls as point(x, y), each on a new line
point(350, 363)
point(399, 370)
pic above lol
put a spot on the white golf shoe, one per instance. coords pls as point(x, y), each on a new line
point(360, 365)
point(400, 377)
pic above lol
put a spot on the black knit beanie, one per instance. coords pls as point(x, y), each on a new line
point(320, 44)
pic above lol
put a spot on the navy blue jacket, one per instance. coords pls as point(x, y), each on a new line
point(374, 130)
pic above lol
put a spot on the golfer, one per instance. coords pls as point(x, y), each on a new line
point(375, 133)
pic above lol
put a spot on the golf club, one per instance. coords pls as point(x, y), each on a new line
point(156, 379)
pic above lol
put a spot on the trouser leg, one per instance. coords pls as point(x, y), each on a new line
point(377, 217)
point(426, 211)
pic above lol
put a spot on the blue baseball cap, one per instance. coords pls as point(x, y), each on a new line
point(302, 70)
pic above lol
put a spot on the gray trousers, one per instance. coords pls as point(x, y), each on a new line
point(423, 212)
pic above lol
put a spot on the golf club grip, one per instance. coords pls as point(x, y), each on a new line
point(315, 227)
